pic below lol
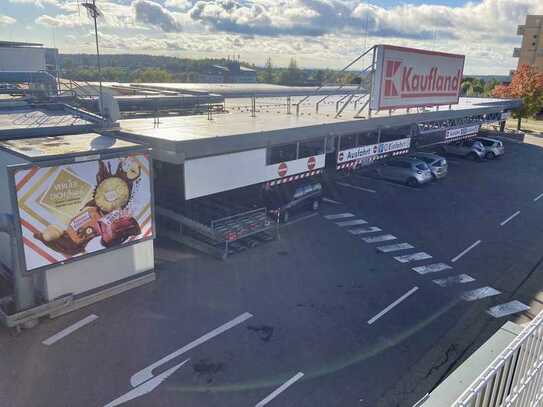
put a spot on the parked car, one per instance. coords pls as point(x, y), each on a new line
point(408, 170)
point(438, 165)
point(493, 148)
point(471, 148)
point(284, 199)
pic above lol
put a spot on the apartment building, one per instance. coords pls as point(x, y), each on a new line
point(531, 50)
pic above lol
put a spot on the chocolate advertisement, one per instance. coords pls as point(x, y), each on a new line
point(71, 210)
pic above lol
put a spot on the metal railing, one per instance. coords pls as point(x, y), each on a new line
point(515, 378)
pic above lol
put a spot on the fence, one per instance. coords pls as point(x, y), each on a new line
point(515, 378)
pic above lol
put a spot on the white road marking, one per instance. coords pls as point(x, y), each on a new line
point(431, 268)
point(65, 332)
point(459, 279)
point(480, 293)
point(280, 389)
point(383, 312)
point(537, 198)
point(353, 222)
point(454, 259)
point(508, 308)
point(343, 184)
point(339, 216)
point(331, 201)
point(377, 239)
point(146, 387)
point(408, 258)
point(394, 247)
point(510, 218)
point(147, 372)
point(361, 231)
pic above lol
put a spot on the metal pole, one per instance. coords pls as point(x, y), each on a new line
point(95, 17)
point(371, 80)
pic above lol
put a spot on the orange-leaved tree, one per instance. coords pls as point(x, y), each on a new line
point(527, 85)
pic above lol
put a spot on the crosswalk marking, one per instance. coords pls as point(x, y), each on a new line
point(408, 258)
point(377, 239)
point(394, 247)
point(508, 308)
point(459, 279)
point(480, 293)
point(361, 231)
point(431, 268)
point(339, 216)
point(353, 222)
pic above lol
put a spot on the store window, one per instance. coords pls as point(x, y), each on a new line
point(394, 133)
point(311, 147)
point(348, 141)
point(368, 138)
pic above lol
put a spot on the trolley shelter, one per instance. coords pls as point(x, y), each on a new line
point(83, 208)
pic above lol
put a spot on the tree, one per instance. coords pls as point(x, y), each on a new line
point(527, 85)
point(156, 75)
point(292, 75)
point(268, 71)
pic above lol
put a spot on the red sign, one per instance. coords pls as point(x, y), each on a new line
point(282, 169)
point(311, 162)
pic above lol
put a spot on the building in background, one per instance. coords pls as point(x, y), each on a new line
point(231, 72)
point(531, 50)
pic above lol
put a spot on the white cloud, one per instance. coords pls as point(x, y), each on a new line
point(6, 20)
point(38, 3)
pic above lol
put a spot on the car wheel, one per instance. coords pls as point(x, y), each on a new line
point(490, 155)
point(412, 182)
point(315, 205)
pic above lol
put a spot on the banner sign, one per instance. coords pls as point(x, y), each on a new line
point(362, 152)
point(505, 115)
point(407, 77)
point(462, 131)
point(70, 210)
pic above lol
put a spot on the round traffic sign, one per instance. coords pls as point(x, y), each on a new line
point(282, 169)
point(311, 162)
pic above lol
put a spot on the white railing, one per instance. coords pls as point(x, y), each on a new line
point(515, 378)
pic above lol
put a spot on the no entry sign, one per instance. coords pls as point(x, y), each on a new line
point(311, 162)
point(282, 169)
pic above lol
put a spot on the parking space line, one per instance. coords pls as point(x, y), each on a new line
point(537, 198)
point(377, 239)
point(480, 293)
point(72, 328)
point(389, 182)
point(511, 307)
point(387, 309)
point(147, 372)
point(331, 201)
point(301, 219)
point(361, 231)
point(459, 279)
point(353, 222)
point(146, 387)
point(431, 268)
point(344, 184)
point(510, 218)
point(408, 258)
point(339, 216)
point(459, 256)
point(394, 247)
point(280, 389)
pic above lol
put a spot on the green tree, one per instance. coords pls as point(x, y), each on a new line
point(268, 71)
point(153, 75)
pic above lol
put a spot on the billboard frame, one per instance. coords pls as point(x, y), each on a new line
point(376, 83)
point(12, 169)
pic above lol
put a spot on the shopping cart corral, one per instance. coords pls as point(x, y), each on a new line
point(221, 237)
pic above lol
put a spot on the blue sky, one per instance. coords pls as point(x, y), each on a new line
point(318, 33)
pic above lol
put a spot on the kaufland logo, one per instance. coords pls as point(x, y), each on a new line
point(405, 81)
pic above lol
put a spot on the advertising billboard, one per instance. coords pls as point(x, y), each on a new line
point(407, 77)
point(373, 150)
point(71, 210)
point(462, 132)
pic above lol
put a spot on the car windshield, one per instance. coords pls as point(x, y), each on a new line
point(422, 166)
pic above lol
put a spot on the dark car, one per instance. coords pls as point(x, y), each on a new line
point(282, 200)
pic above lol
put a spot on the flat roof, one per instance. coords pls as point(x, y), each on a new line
point(76, 144)
point(186, 137)
point(28, 121)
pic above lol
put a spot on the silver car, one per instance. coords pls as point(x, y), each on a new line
point(407, 170)
point(493, 148)
point(438, 165)
point(470, 148)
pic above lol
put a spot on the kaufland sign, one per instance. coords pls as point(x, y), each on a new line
point(407, 77)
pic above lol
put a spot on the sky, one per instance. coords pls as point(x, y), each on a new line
point(317, 33)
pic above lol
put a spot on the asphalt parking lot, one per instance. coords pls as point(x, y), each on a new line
point(370, 302)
